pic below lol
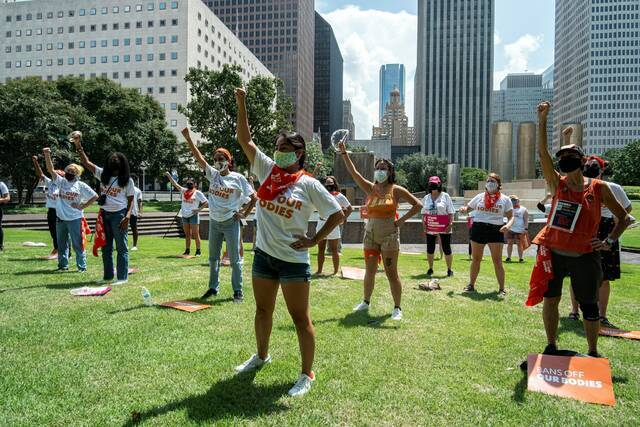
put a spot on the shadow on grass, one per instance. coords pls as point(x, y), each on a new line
point(237, 397)
point(519, 389)
point(51, 270)
point(29, 259)
point(429, 276)
point(351, 320)
point(65, 285)
point(477, 296)
point(569, 325)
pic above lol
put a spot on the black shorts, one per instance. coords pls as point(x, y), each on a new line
point(133, 221)
point(585, 272)
point(483, 233)
point(610, 258)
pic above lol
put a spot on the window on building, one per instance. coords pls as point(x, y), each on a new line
point(174, 39)
point(81, 60)
point(149, 40)
point(174, 106)
point(174, 55)
point(162, 5)
point(174, 89)
point(138, 74)
point(174, 5)
point(126, 58)
point(104, 59)
point(162, 39)
point(174, 123)
point(174, 22)
point(138, 8)
point(138, 57)
point(162, 56)
point(149, 56)
point(163, 22)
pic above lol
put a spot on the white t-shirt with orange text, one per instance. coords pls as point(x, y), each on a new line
point(227, 193)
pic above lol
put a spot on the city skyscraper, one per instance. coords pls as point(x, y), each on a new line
point(394, 124)
point(454, 79)
point(547, 78)
point(597, 76)
point(327, 68)
point(347, 119)
point(281, 34)
point(391, 75)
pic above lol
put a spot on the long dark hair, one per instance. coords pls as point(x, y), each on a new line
point(298, 142)
point(124, 174)
point(391, 177)
point(335, 182)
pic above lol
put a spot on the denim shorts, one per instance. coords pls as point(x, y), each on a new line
point(267, 267)
point(193, 219)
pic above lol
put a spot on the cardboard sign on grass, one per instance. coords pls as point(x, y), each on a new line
point(89, 291)
point(188, 306)
point(620, 333)
point(582, 378)
point(354, 273)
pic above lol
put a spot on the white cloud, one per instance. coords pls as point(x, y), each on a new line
point(517, 56)
point(368, 39)
point(496, 38)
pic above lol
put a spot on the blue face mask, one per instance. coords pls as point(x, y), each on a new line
point(284, 160)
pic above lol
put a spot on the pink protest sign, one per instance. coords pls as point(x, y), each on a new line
point(435, 223)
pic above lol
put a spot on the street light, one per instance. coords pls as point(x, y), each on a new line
point(143, 168)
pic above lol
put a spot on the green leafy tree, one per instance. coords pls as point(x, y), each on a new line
point(212, 110)
point(624, 164)
point(469, 177)
point(417, 168)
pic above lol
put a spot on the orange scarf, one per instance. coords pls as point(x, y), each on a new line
point(85, 231)
point(540, 276)
point(277, 183)
point(491, 199)
point(100, 239)
point(188, 194)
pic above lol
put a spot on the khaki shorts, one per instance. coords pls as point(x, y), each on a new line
point(381, 234)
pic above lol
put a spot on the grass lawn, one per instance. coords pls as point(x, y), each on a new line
point(149, 206)
point(453, 360)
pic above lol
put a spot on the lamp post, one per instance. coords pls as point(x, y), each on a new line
point(143, 168)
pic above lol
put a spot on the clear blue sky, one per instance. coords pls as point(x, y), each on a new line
point(524, 41)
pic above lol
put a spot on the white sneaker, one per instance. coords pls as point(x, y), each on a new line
point(252, 364)
point(302, 386)
point(119, 282)
point(396, 314)
point(135, 248)
point(361, 307)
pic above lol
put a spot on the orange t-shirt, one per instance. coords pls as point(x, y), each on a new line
point(381, 206)
point(574, 218)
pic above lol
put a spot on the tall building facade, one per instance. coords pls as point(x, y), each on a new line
point(516, 101)
point(149, 46)
point(391, 75)
point(280, 33)
point(327, 69)
point(597, 71)
point(547, 78)
point(347, 119)
point(453, 82)
point(394, 125)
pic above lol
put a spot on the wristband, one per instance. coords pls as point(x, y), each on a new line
point(609, 241)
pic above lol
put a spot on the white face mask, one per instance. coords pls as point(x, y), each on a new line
point(491, 186)
point(221, 166)
point(380, 175)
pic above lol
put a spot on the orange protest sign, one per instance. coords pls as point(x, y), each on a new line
point(354, 273)
point(582, 378)
point(620, 333)
point(189, 306)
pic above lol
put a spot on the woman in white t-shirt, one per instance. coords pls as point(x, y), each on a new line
point(73, 197)
point(438, 204)
point(518, 230)
point(193, 201)
point(488, 228)
point(116, 204)
point(332, 186)
point(5, 197)
point(51, 195)
point(228, 191)
point(288, 196)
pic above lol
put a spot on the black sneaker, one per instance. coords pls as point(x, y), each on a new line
point(449, 273)
point(550, 349)
point(210, 293)
point(187, 252)
point(238, 296)
point(507, 260)
point(521, 260)
point(62, 270)
point(605, 322)
point(469, 288)
point(430, 272)
point(574, 316)
point(594, 354)
point(198, 253)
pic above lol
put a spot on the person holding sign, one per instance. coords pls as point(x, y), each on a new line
point(288, 197)
point(488, 228)
point(519, 230)
point(193, 201)
point(569, 242)
point(382, 230)
point(437, 217)
point(331, 184)
point(228, 191)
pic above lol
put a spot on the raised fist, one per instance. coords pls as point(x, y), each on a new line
point(240, 93)
point(543, 109)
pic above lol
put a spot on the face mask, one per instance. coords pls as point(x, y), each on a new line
point(514, 202)
point(69, 176)
point(591, 171)
point(491, 187)
point(284, 160)
point(569, 164)
point(380, 175)
point(220, 166)
point(114, 167)
point(190, 186)
point(433, 187)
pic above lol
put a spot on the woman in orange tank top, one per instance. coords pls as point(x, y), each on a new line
point(382, 231)
point(570, 235)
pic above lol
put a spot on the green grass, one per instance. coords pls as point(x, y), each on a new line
point(453, 360)
point(149, 206)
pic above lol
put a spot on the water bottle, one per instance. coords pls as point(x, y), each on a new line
point(146, 297)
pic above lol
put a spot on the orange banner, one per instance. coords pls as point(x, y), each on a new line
point(582, 378)
point(188, 306)
point(620, 333)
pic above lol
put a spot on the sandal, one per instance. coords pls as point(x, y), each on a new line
point(431, 285)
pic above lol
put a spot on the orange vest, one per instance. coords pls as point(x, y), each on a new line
point(586, 227)
point(381, 207)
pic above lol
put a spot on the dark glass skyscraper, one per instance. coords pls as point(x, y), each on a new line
point(454, 79)
point(327, 69)
point(391, 76)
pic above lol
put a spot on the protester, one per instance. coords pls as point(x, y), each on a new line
point(116, 203)
point(227, 192)
point(519, 229)
point(51, 195)
point(437, 202)
point(569, 241)
point(288, 196)
point(333, 239)
point(610, 259)
point(382, 230)
point(4, 199)
point(490, 207)
point(193, 201)
point(73, 197)
point(136, 212)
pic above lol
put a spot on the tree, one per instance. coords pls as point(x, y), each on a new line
point(212, 110)
point(417, 168)
point(315, 156)
point(624, 163)
point(469, 177)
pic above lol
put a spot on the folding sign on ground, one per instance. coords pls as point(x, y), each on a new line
point(620, 333)
point(189, 306)
point(354, 273)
